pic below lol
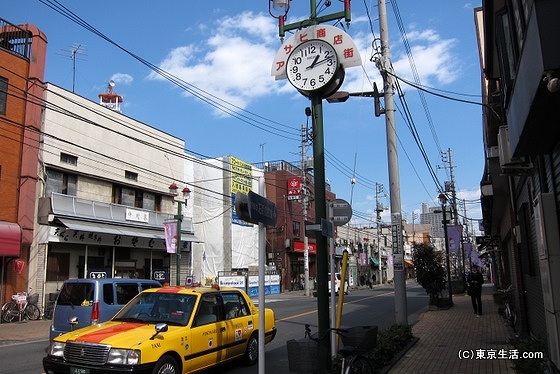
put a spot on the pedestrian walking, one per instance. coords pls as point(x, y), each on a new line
point(475, 281)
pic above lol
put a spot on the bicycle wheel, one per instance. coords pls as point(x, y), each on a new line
point(511, 317)
point(32, 312)
point(10, 311)
point(359, 365)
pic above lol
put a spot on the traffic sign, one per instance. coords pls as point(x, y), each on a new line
point(340, 212)
point(254, 208)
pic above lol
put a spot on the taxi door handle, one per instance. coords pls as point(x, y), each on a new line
point(222, 329)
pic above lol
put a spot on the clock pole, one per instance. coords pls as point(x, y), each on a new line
point(316, 85)
point(322, 256)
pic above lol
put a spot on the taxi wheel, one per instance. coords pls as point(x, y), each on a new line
point(166, 365)
point(252, 351)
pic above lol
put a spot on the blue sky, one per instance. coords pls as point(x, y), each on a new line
point(233, 106)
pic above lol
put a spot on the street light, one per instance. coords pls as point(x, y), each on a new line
point(443, 200)
point(179, 217)
point(342, 96)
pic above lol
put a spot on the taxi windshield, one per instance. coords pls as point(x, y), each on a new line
point(157, 307)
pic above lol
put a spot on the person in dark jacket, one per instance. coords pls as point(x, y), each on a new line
point(475, 281)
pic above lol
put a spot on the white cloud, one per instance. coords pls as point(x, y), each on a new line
point(234, 61)
point(433, 58)
point(122, 78)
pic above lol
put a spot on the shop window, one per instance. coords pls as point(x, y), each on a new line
point(58, 267)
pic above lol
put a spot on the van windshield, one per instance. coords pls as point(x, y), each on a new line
point(156, 307)
point(75, 294)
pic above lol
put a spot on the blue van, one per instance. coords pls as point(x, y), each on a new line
point(89, 301)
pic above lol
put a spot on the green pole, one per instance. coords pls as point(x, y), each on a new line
point(322, 243)
point(179, 221)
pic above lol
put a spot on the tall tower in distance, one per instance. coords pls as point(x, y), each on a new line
point(111, 100)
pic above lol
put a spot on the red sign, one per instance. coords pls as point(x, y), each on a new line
point(298, 247)
point(294, 188)
point(19, 265)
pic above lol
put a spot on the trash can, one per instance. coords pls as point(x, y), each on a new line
point(362, 338)
point(303, 356)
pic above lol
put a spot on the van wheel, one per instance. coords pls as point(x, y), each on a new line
point(252, 352)
point(166, 365)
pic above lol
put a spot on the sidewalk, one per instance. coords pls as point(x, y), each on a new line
point(451, 340)
point(19, 332)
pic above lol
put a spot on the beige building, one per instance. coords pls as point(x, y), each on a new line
point(103, 195)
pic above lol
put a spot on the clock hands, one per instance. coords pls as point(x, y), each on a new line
point(315, 62)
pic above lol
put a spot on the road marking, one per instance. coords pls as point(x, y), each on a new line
point(346, 302)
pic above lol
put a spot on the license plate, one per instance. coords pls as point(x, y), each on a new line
point(74, 370)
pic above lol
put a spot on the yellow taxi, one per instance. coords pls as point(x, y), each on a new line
point(166, 330)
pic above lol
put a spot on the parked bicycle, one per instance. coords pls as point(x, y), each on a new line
point(21, 307)
point(49, 307)
point(354, 358)
point(507, 311)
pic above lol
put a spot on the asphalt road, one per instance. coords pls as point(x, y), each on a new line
point(362, 307)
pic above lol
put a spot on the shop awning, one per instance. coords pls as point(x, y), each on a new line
point(106, 228)
point(10, 239)
point(374, 260)
point(409, 263)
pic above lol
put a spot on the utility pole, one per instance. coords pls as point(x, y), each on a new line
point(304, 202)
point(455, 212)
point(452, 185)
point(386, 69)
point(378, 210)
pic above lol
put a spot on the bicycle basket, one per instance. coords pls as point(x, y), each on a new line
point(362, 338)
point(303, 356)
point(33, 299)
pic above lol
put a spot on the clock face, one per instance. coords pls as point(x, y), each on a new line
point(312, 65)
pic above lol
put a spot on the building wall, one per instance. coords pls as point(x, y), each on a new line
point(19, 140)
point(520, 185)
point(106, 144)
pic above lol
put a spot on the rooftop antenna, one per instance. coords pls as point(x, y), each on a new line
point(75, 53)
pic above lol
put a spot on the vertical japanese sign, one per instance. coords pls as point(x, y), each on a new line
point(241, 181)
point(396, 229)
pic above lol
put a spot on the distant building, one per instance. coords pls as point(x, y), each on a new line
point(433, 216)
point(284, 246)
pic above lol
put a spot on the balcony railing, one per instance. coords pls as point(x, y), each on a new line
point(77, 207)
point(15, 39)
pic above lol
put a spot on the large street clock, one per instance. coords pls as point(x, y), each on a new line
point(313, 68)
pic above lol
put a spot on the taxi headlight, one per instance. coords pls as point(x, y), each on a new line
point(57, 349)
point(123, 357)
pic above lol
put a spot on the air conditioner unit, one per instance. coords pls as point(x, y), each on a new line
point(492, 152)
point(309, 164)
point(509, 164)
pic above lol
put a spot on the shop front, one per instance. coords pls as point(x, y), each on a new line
point(131, 244)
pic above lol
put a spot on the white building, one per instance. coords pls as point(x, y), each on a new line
point(102, 194)
point(103, 197)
